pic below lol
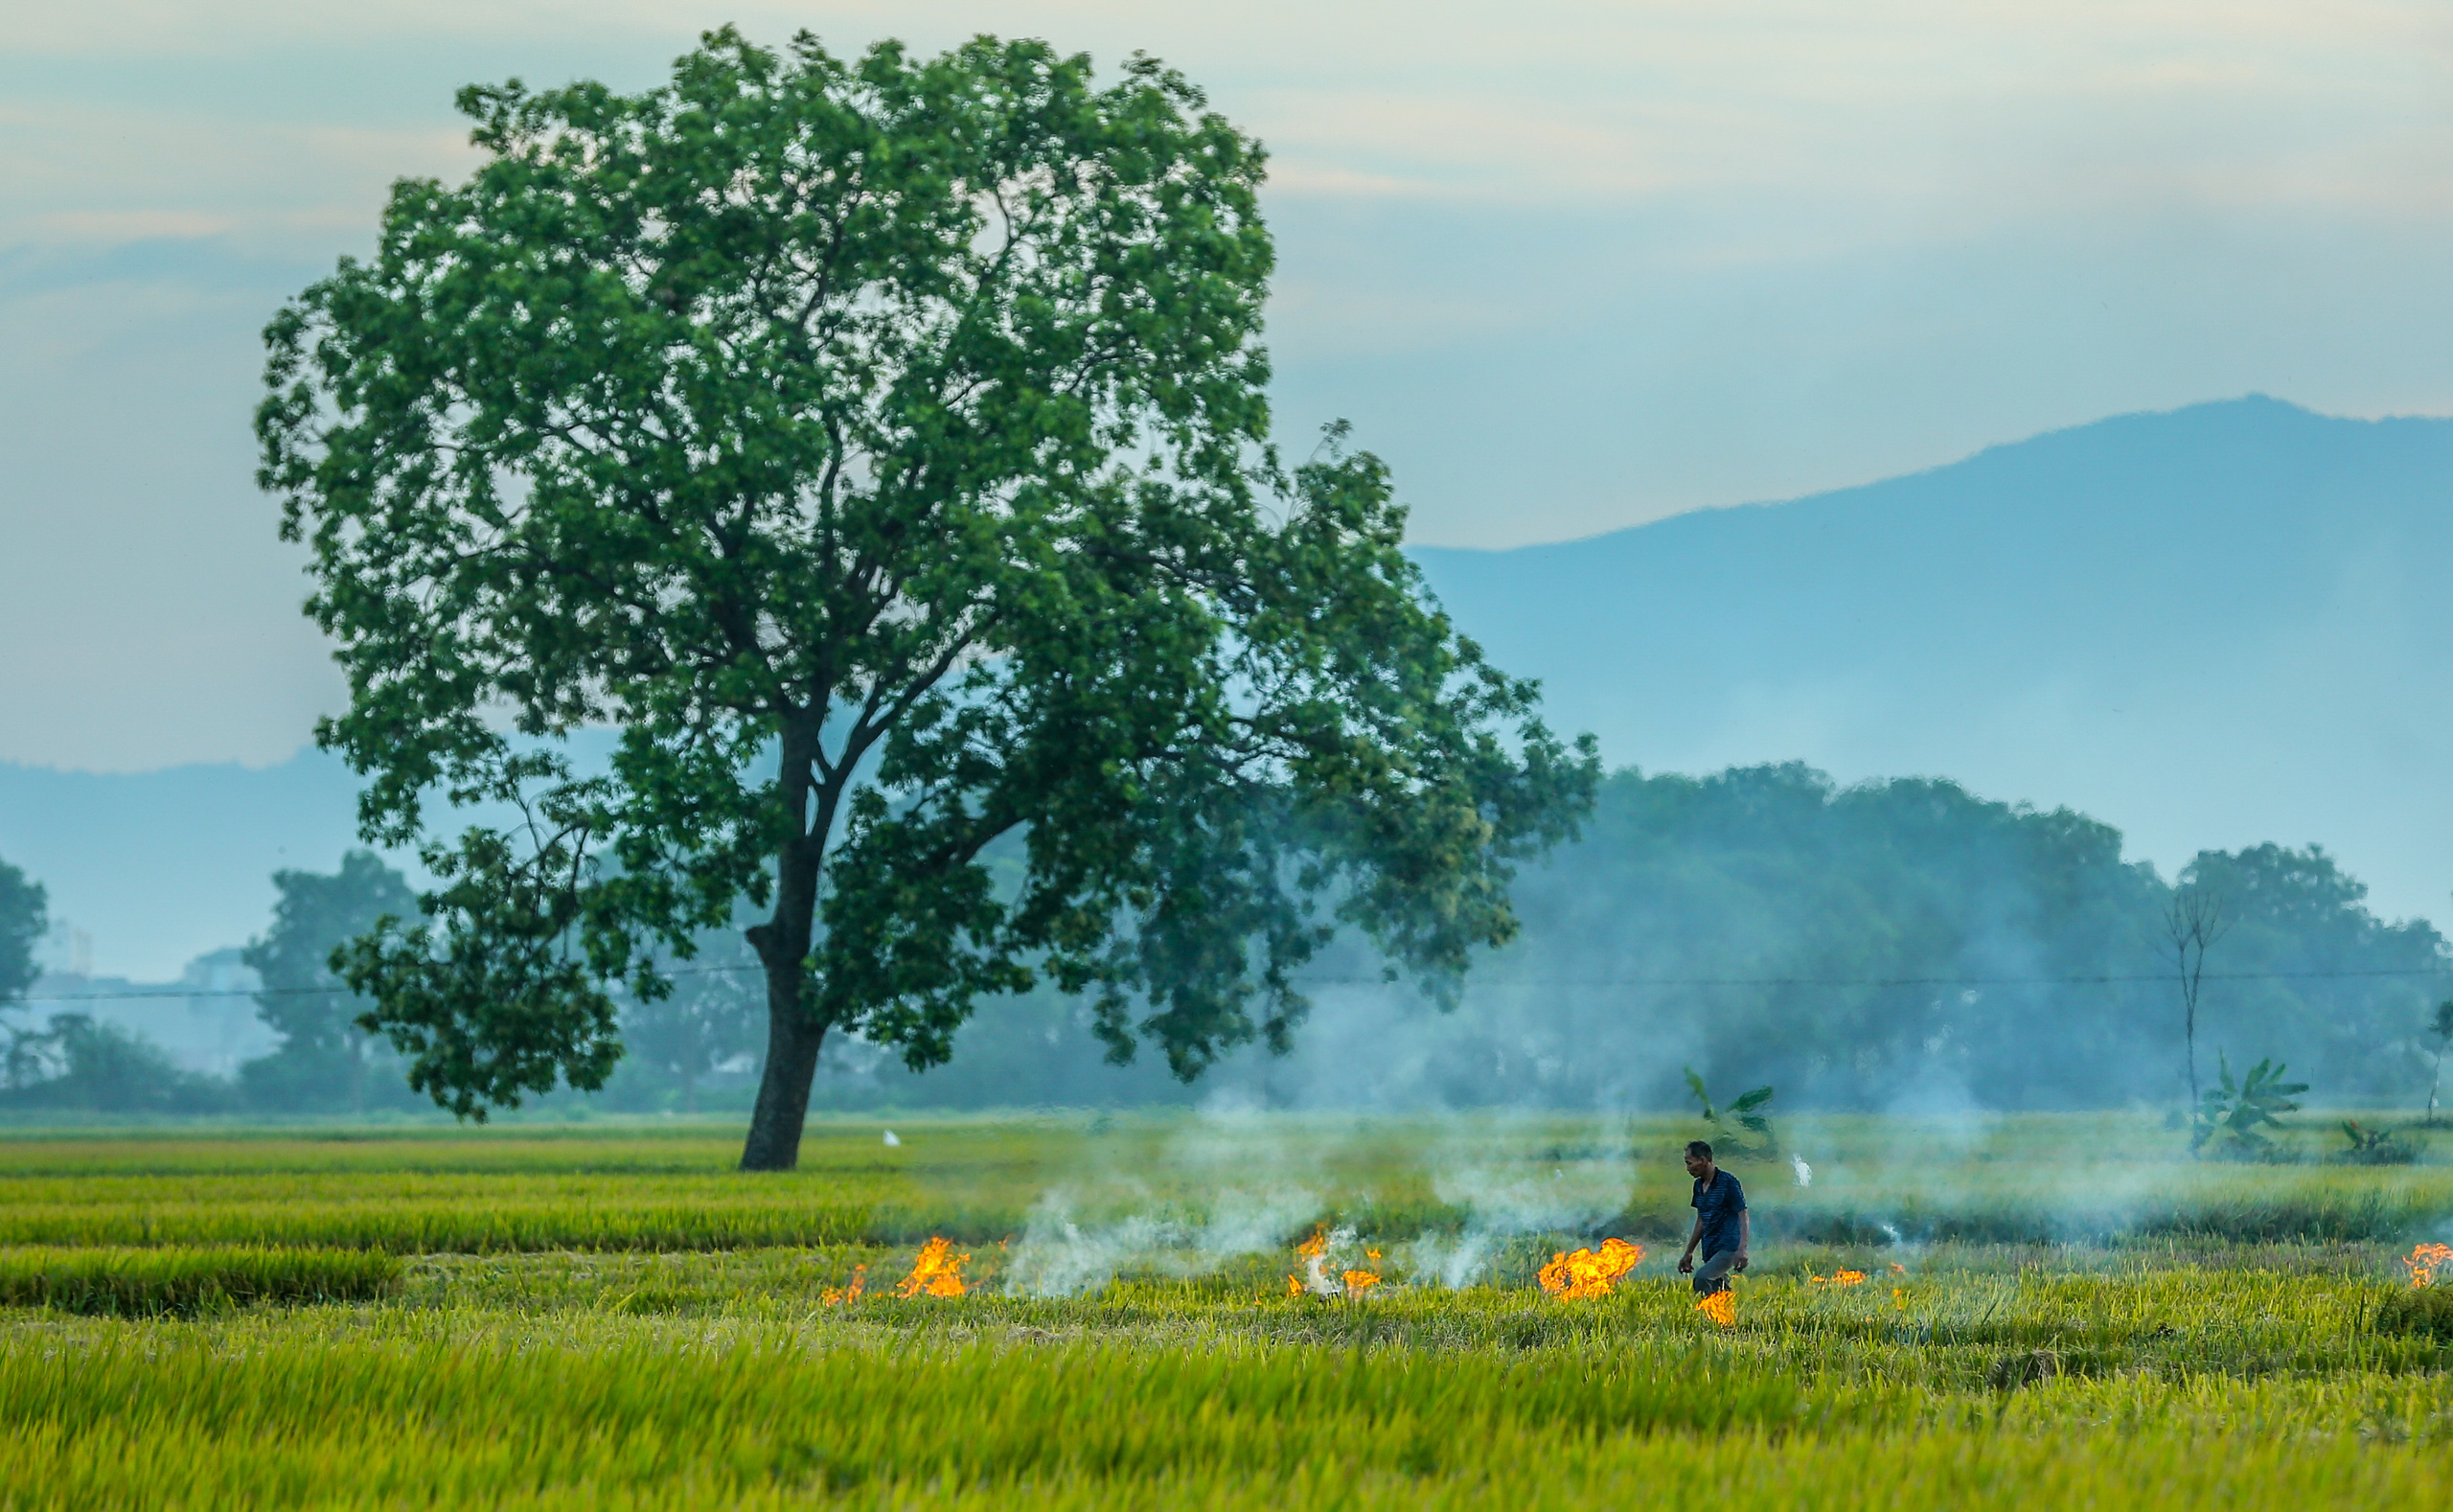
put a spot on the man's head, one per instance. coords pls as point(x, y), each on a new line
point(1699, 1159)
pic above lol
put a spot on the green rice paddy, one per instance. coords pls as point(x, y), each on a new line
point(2058, 1311)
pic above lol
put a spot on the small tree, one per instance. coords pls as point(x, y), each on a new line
point(24, 919)
point(2195, 919)
point(324, 1046)
point(880, 449)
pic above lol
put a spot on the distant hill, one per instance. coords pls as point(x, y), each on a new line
point(2215, 627)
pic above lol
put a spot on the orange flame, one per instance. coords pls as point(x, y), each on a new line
point(1841, 1278)
point(1590, 1272)
point(1316, 1278)
point(1309, 1251)
point(837, 1295)
point(1720, 1307)
point(935, 1272)
point(2425, 1260)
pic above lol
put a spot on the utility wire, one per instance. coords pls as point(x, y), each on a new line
point(2108, 978)
point(1904, 981)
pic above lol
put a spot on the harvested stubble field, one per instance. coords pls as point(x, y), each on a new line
point(2058, 1310)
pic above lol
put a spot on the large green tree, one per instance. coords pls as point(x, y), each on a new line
point(880, 447)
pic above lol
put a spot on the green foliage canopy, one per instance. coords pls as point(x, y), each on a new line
point(303, 999)
point(24, 918)
point(326, 1058)
point(880, 446)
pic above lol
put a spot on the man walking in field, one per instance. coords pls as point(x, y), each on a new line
point(1721, 1226)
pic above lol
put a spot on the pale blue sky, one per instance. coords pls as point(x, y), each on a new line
point(1569, 267)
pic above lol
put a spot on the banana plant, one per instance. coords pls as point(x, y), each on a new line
point(2376, 1146)
point(2233, 1116)
point(1744, 1115)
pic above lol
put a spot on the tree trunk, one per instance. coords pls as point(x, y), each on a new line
point(2189, 1021)
point(793, 1043)
point(2194, 1101)
point(782, 944)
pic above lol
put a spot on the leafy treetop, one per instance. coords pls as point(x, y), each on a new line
point(880, 447)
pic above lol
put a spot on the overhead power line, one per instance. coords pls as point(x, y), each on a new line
point(1903, 981)
point(2102, 979)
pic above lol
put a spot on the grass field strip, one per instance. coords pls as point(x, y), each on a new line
point(1186, 1192)
point(427, 1404)
point(1057, 1317)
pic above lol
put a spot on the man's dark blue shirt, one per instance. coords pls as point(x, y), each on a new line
point(1718, 1208)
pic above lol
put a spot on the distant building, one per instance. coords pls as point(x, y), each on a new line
point(66, 950)
point(205, 1021)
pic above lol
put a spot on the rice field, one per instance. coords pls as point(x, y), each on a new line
point(2049, 1310)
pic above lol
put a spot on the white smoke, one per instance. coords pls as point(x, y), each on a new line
point(1059, 1256)
point(1578, 1192)
point(1081, 1236)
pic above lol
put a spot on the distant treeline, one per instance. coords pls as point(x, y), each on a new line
point(1896, 944)
point(1892, 945)
point(1903, 940)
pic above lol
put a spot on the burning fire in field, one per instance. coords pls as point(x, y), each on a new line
point(837, 1295)
point(1351, 1282)
point(1590, 1272)
point(1841, 1278)
point(936, 1271)
point(1313, 1253)
point(1720, 1307)
point(2425, 1260)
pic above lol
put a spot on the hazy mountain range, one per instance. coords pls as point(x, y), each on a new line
point(2208, 627)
